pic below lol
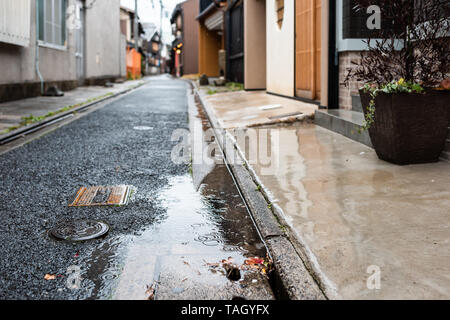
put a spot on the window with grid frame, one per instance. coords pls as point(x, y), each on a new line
point(52, 21)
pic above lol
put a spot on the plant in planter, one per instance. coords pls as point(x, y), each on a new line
point(406, 112)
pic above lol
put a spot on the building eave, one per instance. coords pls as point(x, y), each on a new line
point(208, 11)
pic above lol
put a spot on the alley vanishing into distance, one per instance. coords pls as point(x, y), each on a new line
point(218, 158)
point(166, 243)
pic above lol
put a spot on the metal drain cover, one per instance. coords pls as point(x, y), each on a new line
point(101, 196)
point(79, 230)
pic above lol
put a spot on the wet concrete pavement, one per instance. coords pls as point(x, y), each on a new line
point(251, 108)
point(360, 215)
point(367, 229)
point(167, 242)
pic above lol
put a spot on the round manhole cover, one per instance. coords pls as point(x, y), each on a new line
point(79, 230)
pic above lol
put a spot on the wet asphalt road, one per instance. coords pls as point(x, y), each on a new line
point(109, 147)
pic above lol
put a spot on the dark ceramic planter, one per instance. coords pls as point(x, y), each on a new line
point(409, 128)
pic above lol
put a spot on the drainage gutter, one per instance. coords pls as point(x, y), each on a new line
point(294, 279)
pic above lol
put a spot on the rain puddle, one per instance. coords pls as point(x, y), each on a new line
point(204, 248)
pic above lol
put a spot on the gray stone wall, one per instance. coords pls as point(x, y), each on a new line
point(103, 40)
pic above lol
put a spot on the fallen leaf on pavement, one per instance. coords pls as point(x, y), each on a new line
point(254, 261)
point(49, 276)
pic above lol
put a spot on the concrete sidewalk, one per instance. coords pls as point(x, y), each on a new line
point(355, 218)
point(12, 112)
point(247, 109)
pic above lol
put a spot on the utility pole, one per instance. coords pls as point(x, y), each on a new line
point(136, 27)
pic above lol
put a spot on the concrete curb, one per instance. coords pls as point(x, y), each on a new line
point(22, 131)
point(292, 278)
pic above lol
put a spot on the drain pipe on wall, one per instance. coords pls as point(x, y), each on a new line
point(36, 62)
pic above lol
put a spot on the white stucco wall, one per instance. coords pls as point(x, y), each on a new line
point(280, 49)
point(255, 44)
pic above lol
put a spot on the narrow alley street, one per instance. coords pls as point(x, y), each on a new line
point(166, 243)
point(224, 159)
